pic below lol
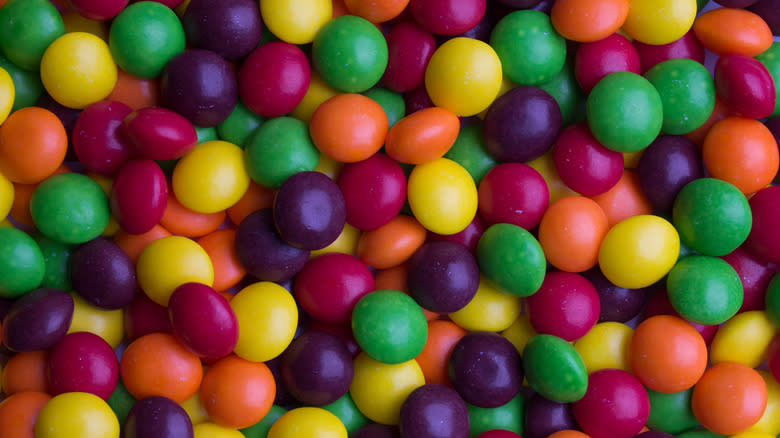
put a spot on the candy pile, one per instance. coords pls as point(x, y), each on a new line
point(389, 218)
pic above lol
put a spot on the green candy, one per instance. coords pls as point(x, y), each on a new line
point(507, 417)
point(563, 87)
point(773, 300)
point(278, 149)
point(27, 84)
point(687, 92)
point(121, 401)
point(239, 125)
point(671, 413)
point(348, 412)
point(22, 266)
point(771, 60)
point(27, 28)
point(56, 256)
point(555, 369)
point(389, 326)
point(512, 259)
point(712, 216)
point(704, 289)
point(700, 434)
point(392, 102)
point(261, 428)
point(469, 151)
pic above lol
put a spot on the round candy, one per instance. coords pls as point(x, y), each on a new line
point(469, 151)
point(485, 368)
point(422, 136)
point(571, 231)
point(704, 289)
point(545, 417)
point(617, 303)
point(297, 21)
point(28, 28)
point(379, 389)
point(596, 60)
point(97, 10)
point(745, 339)
point(157, 417)
point(349, 127)
point(434, 411)
point(513, 193)
point(755, 274)
point(659, 22)
point(639, 251)
point(169, 262)
point(77, 70)
point(98, 141)
point(491, 309)
point(274, 78)
point(229, 28)
point(584, 164)
point(201, 86)
point(203, 321)
point(409, 50)
point(729, 398)
point(484, 421)
point(745, 85)
point(512, 258)
point(316, 368)
point(19, 412)
point(687, 93)
point(237, 393)
point(56, 256)
point(70, 208)
point(22, 88)
point(38, 320)
point(566, 305)
point(665, 167)
point(83, 362)
point(606, 345)
point(587, 21)
point(447, 17)
point(33, 144)
point(442, 337)
point(625, 112)
point(105, 323)
point(530, 50)
point(443, 276)
point(615, 405)
point(762, 240)
point(279, 148)
point(374, 191)
point(144, 37)
point(308, 422)
point(671, 413)
point(263, 253)
point(267, 319)
point(554, 369)
point(464, 76)
point(349, 53)
point(442, 196)
point(76, 414)
point(212, 430)
point(712, 216)
point(25, 270)
point(521, 125)
point(687, 47)
point(103, 274)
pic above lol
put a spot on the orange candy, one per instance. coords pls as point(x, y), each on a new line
point(33, 144)
point(442, 337)
point(237, 393)
point(571, 232)
point(220, 246)
point(667, 354)
point(422, 136)
point(742, 152)
point(19, 412)
point(134, 244)
point(255, 198)
point(392, 243)
point(26, 371)
point(729, 30)
point(588, 20)
point(624, 200)
point(135, 92)
point(729, 398)
point(377, 11)
point(568, 434)
point(180, 220)
point(348, 127)
point(157, 364)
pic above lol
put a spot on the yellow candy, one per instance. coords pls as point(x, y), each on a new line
point(7, 95)
point(308, 422)
point(520, 332)
point(346, 242)
point(76, 414)
point(490, 310)
point(296, 21)
point(744, 338)
point(211, 430)
point(267, 319)
point(605, 346)
point(659, 21)
point(108, 324)
point(442, 196)
point(167, 263)
point(379, 389)
point(6, 194)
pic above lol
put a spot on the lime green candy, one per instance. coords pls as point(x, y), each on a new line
point(21, 266)
point(512, 258)
point(555, 369)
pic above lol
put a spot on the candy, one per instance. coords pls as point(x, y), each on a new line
point(37, 321)
point(40, 134)
point(317, 368)
point(615, 405)
point(157, 417)
point(82, 362)
point(76, 414)
point(442, 196)
point(729, 398)
point(554, 369)
point(24, 271)
point(595, 60)
point(28, 28)
point(583, 163)
point(409, 50)
point(434, 410)
point(546, 417)
point(502, 418)
point(267, 318)
point(203, 320)
point(344, 408)
point(513, 193)
point(229, 28)
point(443, 276)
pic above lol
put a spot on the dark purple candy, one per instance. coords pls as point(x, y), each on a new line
point(201, 86)
point(485, 369)
point(665, 167)
point(375, 430)
point(618, 304)
point(157, 417)
point(309, 210)
point(654, 434)
point(231, 28)
point(544, 417)
point(283, 396)
point(769, 10)
point(38, 320)
point(520, 4)
point(443, 276)
point(521, 125)
point(317, 368)
point(734, 4)
point(544, 6)
point(103, 274)
point(263, 253)
point(433, 411)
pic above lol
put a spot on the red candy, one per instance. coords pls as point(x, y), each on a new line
point(409, 50)
point(98, 10)
point(567, 305)
point(447, 17)
point(584, 164)
point(755, 274)
point(374, 191)
point(160, 134)
point(615, 405)
point(513, 193)
point(143, 316)
point(274, 78)
point(97, 137)
point(686, 47)
point(745, 85)
point(203, 321)
point(764, 240)
point(83, 362)
point(139, 196)
point(600, 58)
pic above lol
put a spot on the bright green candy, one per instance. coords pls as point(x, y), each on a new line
point(56, 256)
point(712, 216)
point(530, 50)
point(704, 289)
point(687, 92)
point(27, 27)
point(469, 151)
point(773, 300)
point(144, 37)
point(261, 428)
point(389, 326)
point(512, 258)
point(278, 149)
point(624, 112)
point(771, 60)
point(507, 417)
point(348, 412)
point(70, 208)
point(700, 434)
point(27, 84)
point(121, 401)
point(206, 133)
point(350, 54)
point(21, 266)
point(239, 125)
point(563, 87)
point(671, 413)
point(555, 369)
point(390, 101)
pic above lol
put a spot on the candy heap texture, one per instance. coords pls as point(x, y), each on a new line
point(389, 218)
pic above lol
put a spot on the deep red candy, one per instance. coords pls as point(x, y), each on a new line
point(584, 164)
point(764, 239)
point(600, 58)
point(98, 10)
point(447, 17)
point(203, 321)
point(615, 405)
point(469, 237)
point(417, 99)
point(566, 305)
point(143, 316)
point(139, 196)
point(409, 50)
point(159, 133)
point(83, 362)
point(374, 191)
point(498, 433)
point(755, 274)
point(513, 193)
point(686, 47)
point(274, 78)
point(98, 140)
point(745, 85)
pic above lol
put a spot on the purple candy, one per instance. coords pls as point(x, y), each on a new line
point(617, 303)
point(103, 274)
point(769, 10)
point(376, 431)
point(666, 166)
point(231, 28)
point(433, 411)
point(157, 417)
point(263, 253)
point(443, 276)
point(544, 417)
point(38, 320)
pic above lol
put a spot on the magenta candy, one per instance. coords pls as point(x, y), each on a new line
point(745, 85)
point(143, 316)
point(409, 50)
point(274, 78)
point(230, 28)
point(103, 274)
point(417, 100)
point(615, 405)
point(139, 196)
point(686, 47)
point(374, 191)
point(98, 140)
point(203, 321)
point(447, 17)
point(755, 275)
point(98, 10)
point(498, 433)
point(584, 164)
point(513, 193)
point(764, 240)
point(469, 237)
point(38, 320)
point(159, 133)
point(83, 362)
point(567, 305)
point(600, 58)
